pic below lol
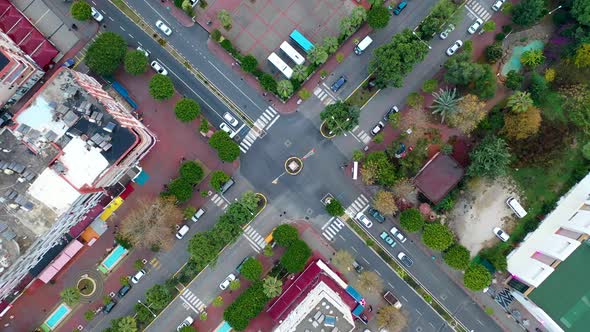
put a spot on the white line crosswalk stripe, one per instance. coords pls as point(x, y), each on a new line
point(193, 301)
point(333, 228)
point(254, 237)
point(358, 205)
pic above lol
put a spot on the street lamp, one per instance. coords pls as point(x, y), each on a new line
point(558, 7)
point(148, 308)
point(420, 39)
point(343, 131)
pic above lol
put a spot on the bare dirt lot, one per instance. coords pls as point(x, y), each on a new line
point(480, 208)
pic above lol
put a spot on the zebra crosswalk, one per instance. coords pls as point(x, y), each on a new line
point(478, 10)
point(192, 301)
point(361, 135)
point(323, 95)
point(219, 201)
point(360, 204)
point(332, 227)
point(256, 240)
point(263, 123)
point(155, 263)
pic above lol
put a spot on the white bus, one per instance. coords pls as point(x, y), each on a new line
point(292, 53)
point(280, 65)
point(355, 170)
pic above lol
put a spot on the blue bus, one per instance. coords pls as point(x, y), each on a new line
point(300, 39)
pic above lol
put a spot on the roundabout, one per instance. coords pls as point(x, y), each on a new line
point(293, 165)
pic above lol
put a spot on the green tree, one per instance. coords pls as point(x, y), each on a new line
point(538, 88)
point(191, 171)
point(532, 58)
point(485, 86)
point(490, 158)
point(514, 80)
point(70, 295)
point(582, 56)
point(378, 17)
point(581, 11)
point(318, 55)
point(89, 315)
point(300, 73)
point(106, 53)
point(340, 117)
point(477, 277)
point(250, 200)
point(446, 102)
point(494, 52)
point(528, 12)
point(246, 306)
point(586, 151)
point(437, 236)
point(411, 220)
point(136, 62)
point(520, 101)
point(235, 284)
point(296, 256)
point(202, 249)
point(461, 71)
point(273, 287)
point(457, 257)
point(489, 26)
point(285, 235)
point(335, 208)
point(330, 44)
point(191, 328)
point(391, 62)
point(161, 87)
point(429, 86)
point(346, 27)
point(81, 11)
point(249, 63)
point(251, 269)
point(187, 110)
point(378, 169)
point(181, 189)
point(218, 178)
point(285, 88)
point(158, 296)
point(225, 19)
point(217, 301)
point(358, 16)
point(268, 83)
point(227, 148)
point(127, 324)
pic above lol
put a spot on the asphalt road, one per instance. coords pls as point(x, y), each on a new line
point(294, 135)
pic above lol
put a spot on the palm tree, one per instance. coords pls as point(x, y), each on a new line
point(520, 101)
point(445, 102)
point(532, 58)
point(300, 72)
point(127, 324)
point(358, 16)
point(346, 26)
point(272, 287)
point(70, 295)
point(285, 88)
point(224, 18)
point(318, 55)
point(331, 44)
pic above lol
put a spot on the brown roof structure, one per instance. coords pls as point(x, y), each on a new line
point(439, 176)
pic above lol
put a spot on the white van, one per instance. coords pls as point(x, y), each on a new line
point(198, 215)
point(362, 46)
point(182, 232)
point(518, 210)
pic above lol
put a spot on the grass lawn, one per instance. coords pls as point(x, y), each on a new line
point(360, 97)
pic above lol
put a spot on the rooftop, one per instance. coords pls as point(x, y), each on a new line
point(564, 295)
point(439, 176)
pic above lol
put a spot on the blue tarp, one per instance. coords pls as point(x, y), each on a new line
point(358, 310)
point(354, 293)
point(123, 92)
point(141, 178)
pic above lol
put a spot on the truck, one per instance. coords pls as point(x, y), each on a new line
point(392, 300)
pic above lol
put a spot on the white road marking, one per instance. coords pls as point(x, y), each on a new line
point(122, 28)
point(403, 297)
point(365, 260)
point(342, 237)
point(390, 285)
point(353, 249)
point(110, 18)
point(130, 35)
point(378, 273)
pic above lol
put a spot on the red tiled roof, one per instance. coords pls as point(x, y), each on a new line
point(10, 18)
point(440, 175)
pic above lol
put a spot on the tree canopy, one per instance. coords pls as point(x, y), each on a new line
point(106, 53)
point(340, 117)
point(411, 220)
point(218, 178)
point(181, 189)
point(246, 306)
point(378, 169)
point(227, 148)
point(391, 319)
point(158, 296)
point(191, 171)
point(81, 11)
point(522, 125)
point(581, 11)
point(335, 208)
point(471, 110)
point(285, 235)
point(457, 257)
point(295, 257)
point(251, 269)
point(187, 110)
point(528, 12)
point(249, 63)
point(391, 62)
point(477, 277)
point(490, 158)
point(161, 87)
point(136, 62)
point(378, 17)
point(437, 236)
point(70, 295)
point(384, 202)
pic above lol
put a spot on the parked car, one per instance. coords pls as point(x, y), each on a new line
point(163, 27)
point(501, 234)
point(223, 126)
point(391, 111)
point(158, 68)
point(376, 214)
point(109, 306)
point(388, 239)
point(475, 26)
point(69, 63)
point(357, 267)
point(400, 7)
point(186, 322)
point(144, 51)
point(228, 184)
point(200, 212)
point(515, 206)
point(96, 15)
point(401, 151)
point(135, 279)
point(405, 259)
point(497, 5)
point(225, 284)
point(454, 48)
point(372, 83)
point(182, 232)
point(123, 290)
point(378, 127)
point(230, 119)
point(445, 33)
point(364, 220)
point(338, 84)
point(398, 235)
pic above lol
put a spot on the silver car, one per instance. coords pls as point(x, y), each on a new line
point(229, 118)
point(158, 68)
point(163, 27)
point(445, 33)
point(475, 26)
point(364, 220)
point(454, 48)
point(225, 284)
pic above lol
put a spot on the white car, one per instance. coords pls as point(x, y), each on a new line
point(377, 128)
point(445, 33)
point(137, 276)
point(475, 26)
point(229, 118)
point(496, 6)
point(453, 49)
point(363, 219)
point(186, 322)
point(223, 126)
point(501, 234)
point(225, 284)
point(142, 50)
point(398, 235)
point(158, 68)
point(182, 232)
point(96, 15)
point(163, 27)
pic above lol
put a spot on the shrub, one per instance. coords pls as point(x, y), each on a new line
point(514, 80)
point(494, 52)
point(249, 63)
point(500, 36)
point(216, 35)
point(226, 45)
point(227, 148)
point(457, 257)
point(335, 208)
point(218, 178)
point(285, 235)
point(411, 220)
point(295, 257)
point(187, 110)
point(192, 172)
point(268, 83)
point(437, 237)
point(251, 269)
point(506, 29)
point(246, 306)
point(477, 277)
point(304, 94)
point(161, 87)
point(429, 86)
point(415, 99)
